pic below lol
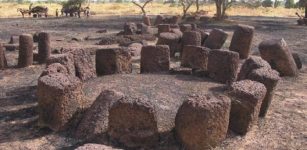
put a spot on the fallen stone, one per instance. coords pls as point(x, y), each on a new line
point(216, 39)
point(277, 53)
point(95, 120)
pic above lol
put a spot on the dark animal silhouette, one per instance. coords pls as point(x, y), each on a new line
point(38, 10)
point(23, 11)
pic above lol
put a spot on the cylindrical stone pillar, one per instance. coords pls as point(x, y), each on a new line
point(3, 63)
point(43, 47)
point(25, 57)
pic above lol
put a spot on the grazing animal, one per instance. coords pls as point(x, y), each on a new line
point(38, 10)
point(23, 11)
point(75, 11)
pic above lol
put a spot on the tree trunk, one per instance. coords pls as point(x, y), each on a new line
point(305, 11)
point(197, 5)
point(218, 10)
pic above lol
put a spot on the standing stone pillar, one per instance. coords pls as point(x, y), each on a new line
point(242, 40)
point(3, 63)
point(43, 47)
point(25, 57)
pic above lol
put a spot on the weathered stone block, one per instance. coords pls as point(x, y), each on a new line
point(65, 59)
point(278, 54)
point(159, 20)
point(252, 63)
point(223, 65)
point(133, 123)
point(242, 40)
point(54, 68)
point(84, 66)
point(216, 39)
point(170, 39)
point(95, 120)
point(113, 60)
point(155, 59)
point(195, 57)
point(270, 79)
point(246, 99)
point(146, 20)
point(135, 49)
point(130, 28)
point(163, 28)
point(191, 38)
point(59, 98)
point(202, 121)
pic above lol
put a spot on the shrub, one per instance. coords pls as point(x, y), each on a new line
point(267, 3)
point(289, 4)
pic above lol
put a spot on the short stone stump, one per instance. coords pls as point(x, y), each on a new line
point(223, 65)
point(59, 98)
point(246, 99)
point(112, 61)
point(133, 123)
point(202, 121)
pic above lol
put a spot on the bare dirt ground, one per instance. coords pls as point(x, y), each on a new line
point(285, 126)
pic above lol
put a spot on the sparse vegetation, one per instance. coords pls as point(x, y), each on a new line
point(9, 9)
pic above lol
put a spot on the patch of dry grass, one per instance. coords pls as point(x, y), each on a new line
point(10, 9)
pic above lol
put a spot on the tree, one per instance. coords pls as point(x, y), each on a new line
point(142, 6)
point(186, 4)
point(303, 4)
point(221, 7)
point(289, 4)
point(267, 3)
point(197, 6)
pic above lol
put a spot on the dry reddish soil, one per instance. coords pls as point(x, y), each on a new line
point(285, 126)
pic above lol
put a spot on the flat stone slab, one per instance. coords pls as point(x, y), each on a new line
point(166, 92)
